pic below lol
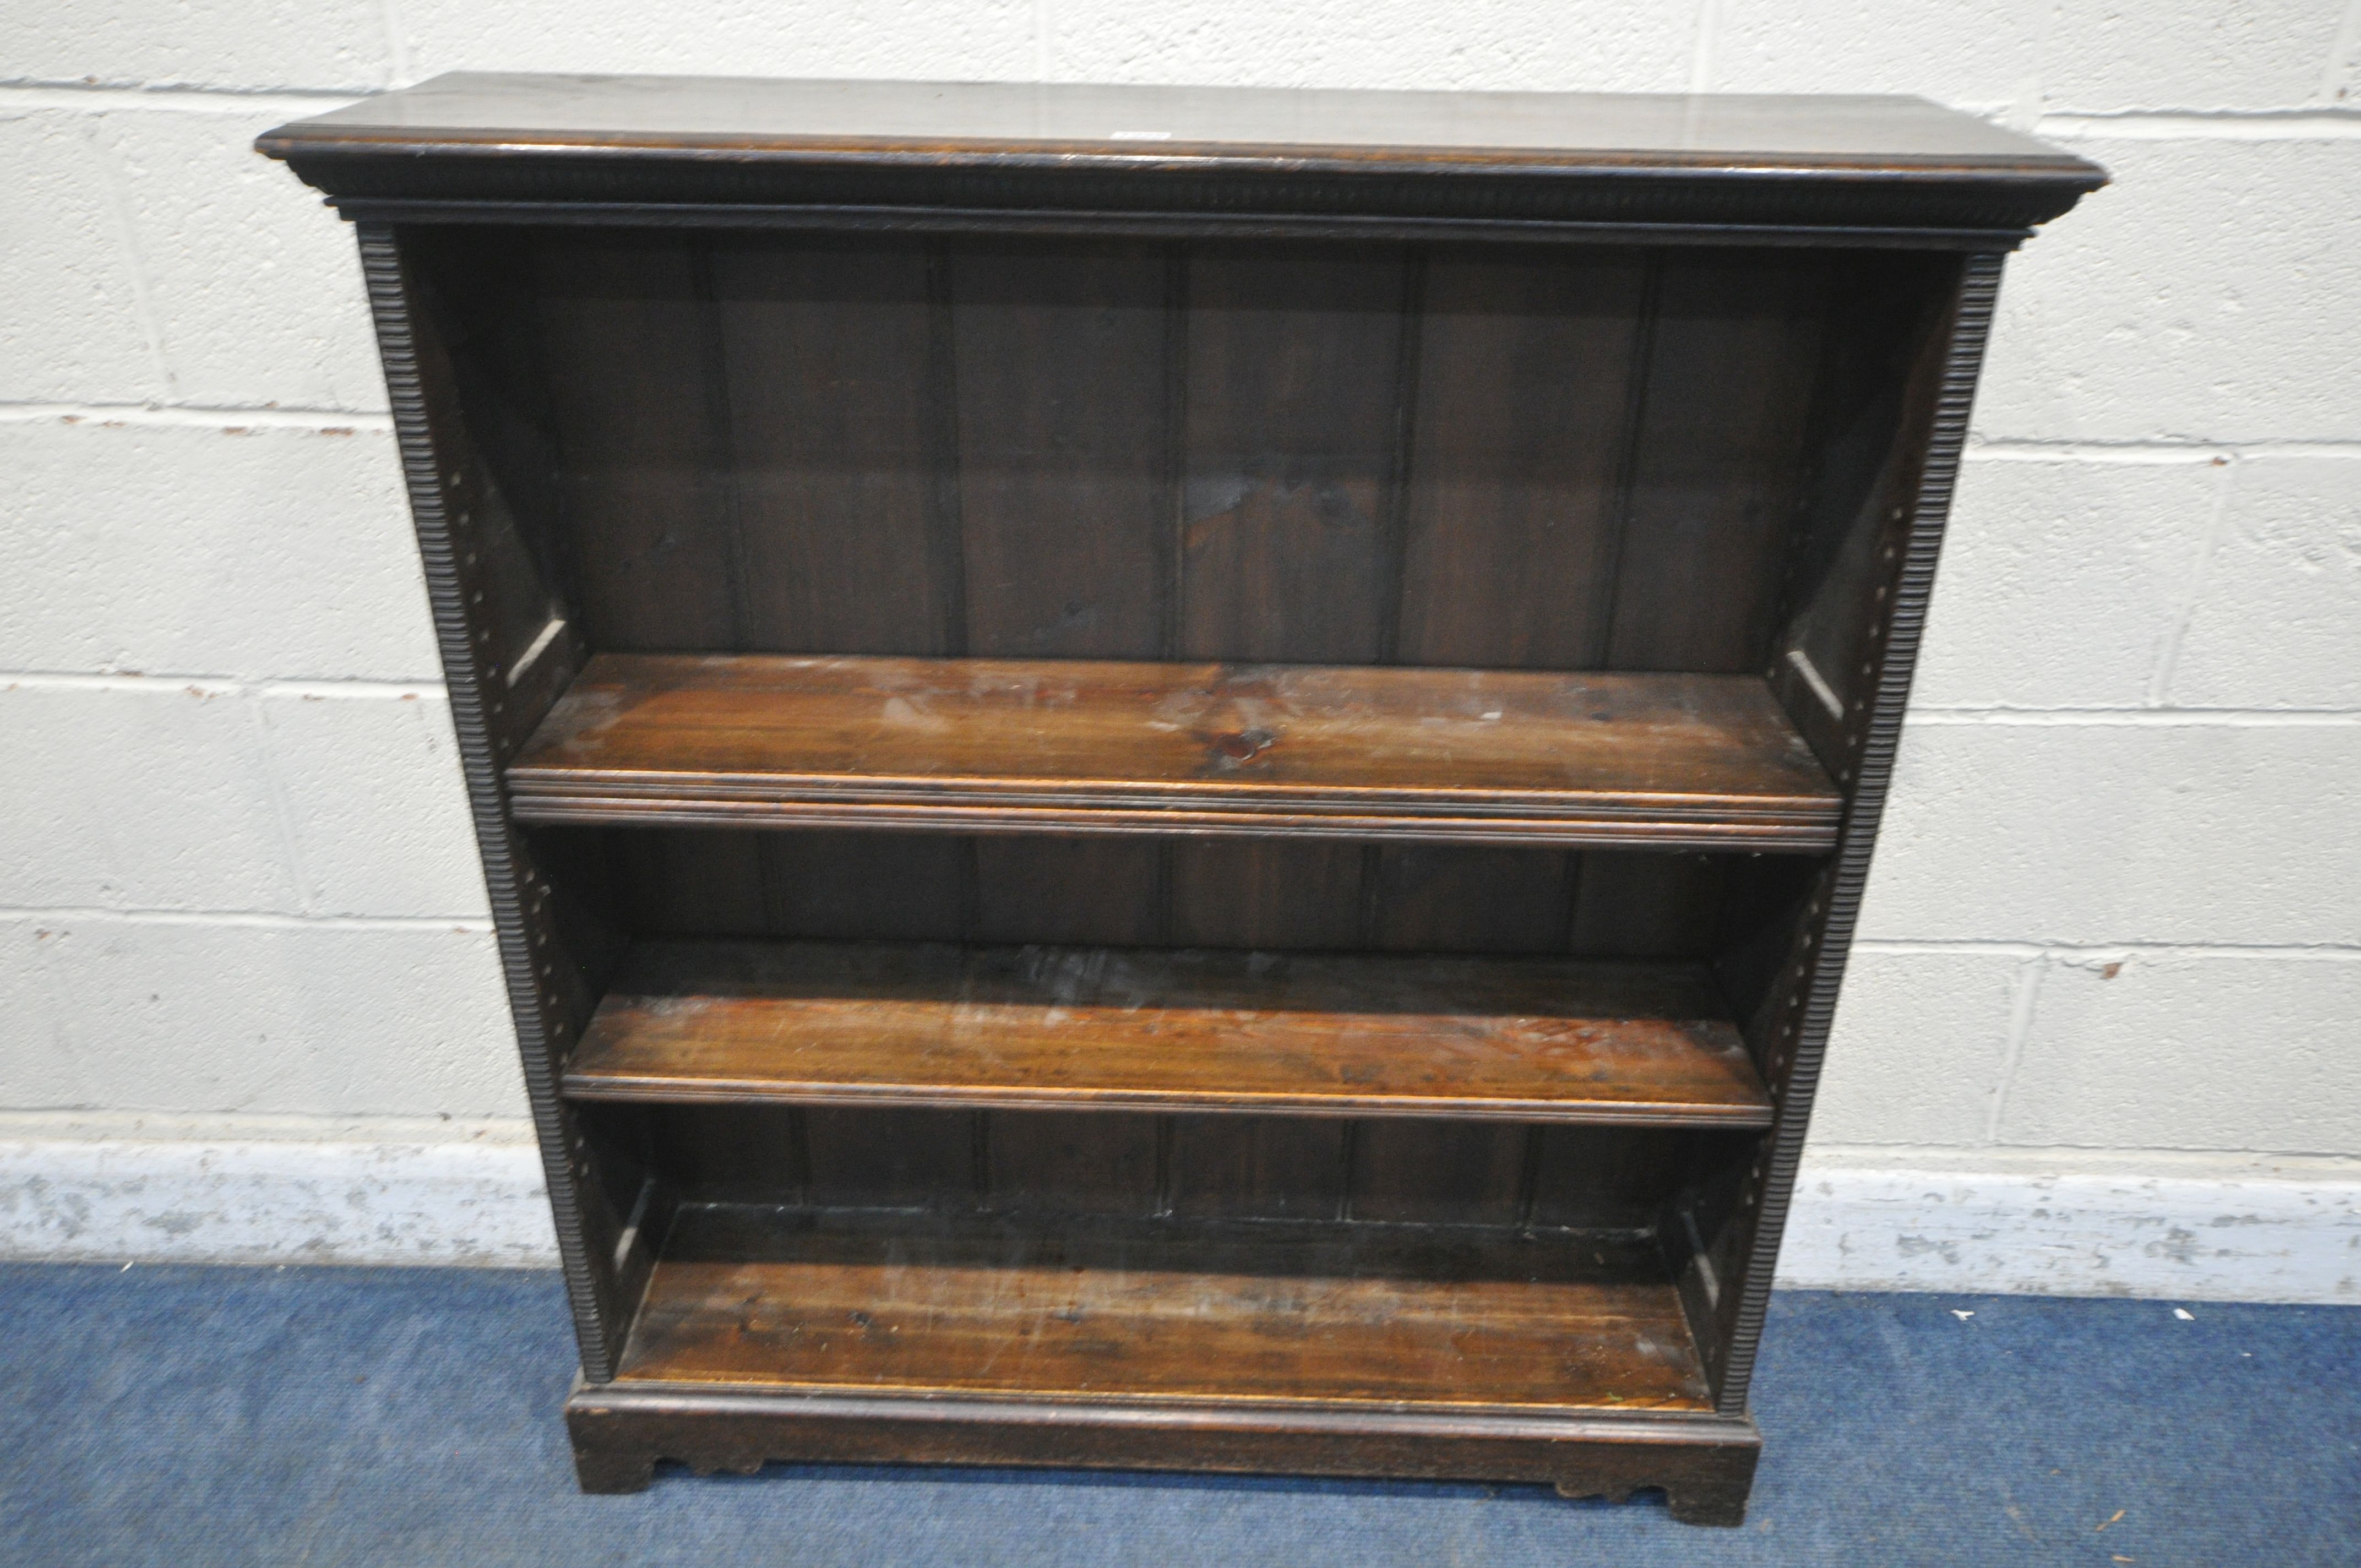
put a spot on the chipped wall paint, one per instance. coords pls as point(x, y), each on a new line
point(2292, 1235)
point(473, 1204)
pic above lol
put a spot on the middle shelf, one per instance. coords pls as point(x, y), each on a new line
point(1078, 1028)
point(1666, 760)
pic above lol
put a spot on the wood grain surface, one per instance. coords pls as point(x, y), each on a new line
point(1075, 746)
point(1229, 1313)
point(1095, 1027)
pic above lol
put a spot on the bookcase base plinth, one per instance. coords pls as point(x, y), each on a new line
point(1703, 1464)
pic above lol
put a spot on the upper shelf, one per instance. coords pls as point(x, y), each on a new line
point(1221, 154)
point(1456, 756)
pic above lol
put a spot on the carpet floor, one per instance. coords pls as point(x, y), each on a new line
point(192, 1417)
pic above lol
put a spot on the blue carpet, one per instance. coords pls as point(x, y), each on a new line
point(192, 1417)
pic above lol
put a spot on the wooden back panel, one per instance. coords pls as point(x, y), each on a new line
point(1443, 456)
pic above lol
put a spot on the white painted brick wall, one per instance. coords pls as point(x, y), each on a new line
point(376, 811)
point(977, 39)
point(2069, 829)
point(140, 795)
point(2206, 297)
point(1473, 44)
point(377, 1018)
point(77, 322)
point(2287, 558)
point(279, 551)
point(2115, 927)
point(2188, 54)
point(2097, 1049)
point(1921, 1048)
point(39, 1066)
point(256, 303)
point(325, 44)
point(1990, 56)
point(2037, 539)
point(2127, 1046)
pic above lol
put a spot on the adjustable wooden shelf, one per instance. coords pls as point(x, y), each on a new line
point(1173, 777)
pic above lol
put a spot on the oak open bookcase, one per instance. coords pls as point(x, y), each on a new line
point(1170, 777)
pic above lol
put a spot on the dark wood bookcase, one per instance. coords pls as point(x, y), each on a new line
point(1175, 777)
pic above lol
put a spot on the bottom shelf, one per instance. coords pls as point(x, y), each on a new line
point(1079, 1310)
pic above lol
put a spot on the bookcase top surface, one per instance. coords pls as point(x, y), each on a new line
point(392, 145)
point(950, 118)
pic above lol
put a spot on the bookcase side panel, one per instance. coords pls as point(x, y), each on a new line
point(552, 982)
point(1789, 1026)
